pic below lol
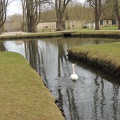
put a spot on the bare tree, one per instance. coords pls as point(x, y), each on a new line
point(3, 10)
point(31, 13)
point(108, 9)
point(60, 6)
point(79, 11)
point(47, 13)
point(24, 25)
point(97, 6)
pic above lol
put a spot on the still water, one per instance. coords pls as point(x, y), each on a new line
point(94, 96)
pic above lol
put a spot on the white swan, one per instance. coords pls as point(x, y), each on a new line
point(73, 76)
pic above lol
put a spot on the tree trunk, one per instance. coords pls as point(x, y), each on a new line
point(119, 24)
point(96, 5)
point(97, 24)
point(117, 13)
point(32, 15)
point(0, 30)
point(60, 6)
point(31, 24)
point(60, 23)
point(96, 16)
point(24, 25)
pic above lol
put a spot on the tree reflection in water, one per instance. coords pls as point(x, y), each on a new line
point(2, 47)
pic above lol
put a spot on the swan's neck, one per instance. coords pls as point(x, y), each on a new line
point(73, 70)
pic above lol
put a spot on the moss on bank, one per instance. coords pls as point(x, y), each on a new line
point(103, 56)
point(23, 95)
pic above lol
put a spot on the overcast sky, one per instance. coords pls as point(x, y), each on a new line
point(15, 7)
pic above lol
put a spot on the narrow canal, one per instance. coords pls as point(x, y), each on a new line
point(94, 96)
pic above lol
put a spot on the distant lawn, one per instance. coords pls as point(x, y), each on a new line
point(106, 52)
point(101, 28)
point(23, 95)
point(109, 28)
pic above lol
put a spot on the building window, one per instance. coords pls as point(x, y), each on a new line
point(113, 22)
point(73, 26)
point(107, 21)
point(46, 26)
point(101, 22)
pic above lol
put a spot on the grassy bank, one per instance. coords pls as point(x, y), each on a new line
point(97, 33)
point(103, 56)
point(78, 33)
point(25, 35)
point(23, 95)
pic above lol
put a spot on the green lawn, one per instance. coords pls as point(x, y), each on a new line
point(103, 52)
point(23, 95)
point(109, 28)
point(104, 30)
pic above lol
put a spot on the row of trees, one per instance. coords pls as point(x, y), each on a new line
point(32, 11)
point(71, 13)
point(106, 9)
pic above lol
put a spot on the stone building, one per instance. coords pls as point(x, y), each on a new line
point(107, 22)
point(51, 26)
